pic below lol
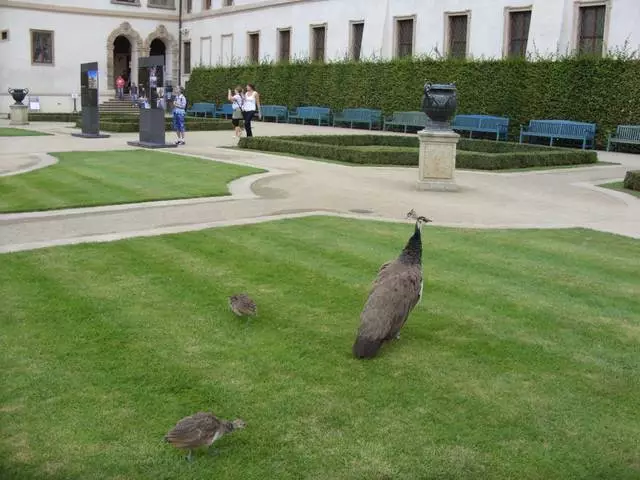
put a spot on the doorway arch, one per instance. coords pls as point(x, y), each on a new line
point(162, 35)
point(124, 33)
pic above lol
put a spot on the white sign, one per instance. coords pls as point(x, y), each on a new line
point(34, 103)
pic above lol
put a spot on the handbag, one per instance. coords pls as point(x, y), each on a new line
point(237, 114)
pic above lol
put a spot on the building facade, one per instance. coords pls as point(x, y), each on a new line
point(42, 44)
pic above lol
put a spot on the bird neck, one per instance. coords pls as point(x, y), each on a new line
point(412, 252)
point(228, 427)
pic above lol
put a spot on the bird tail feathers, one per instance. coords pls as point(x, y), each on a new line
point(365, 347)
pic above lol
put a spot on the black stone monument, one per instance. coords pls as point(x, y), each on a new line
point(152, 120)
point(89, 101)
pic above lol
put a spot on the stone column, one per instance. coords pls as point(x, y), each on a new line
point(437, 160)
point(19, 114)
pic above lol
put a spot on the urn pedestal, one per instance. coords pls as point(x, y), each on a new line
point(437, 160)
point(19, 114)
point(438, 142)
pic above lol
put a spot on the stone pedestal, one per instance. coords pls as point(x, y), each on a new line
point(19, 114)
point(437, 160)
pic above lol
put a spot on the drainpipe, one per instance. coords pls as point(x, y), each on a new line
point(180, 43)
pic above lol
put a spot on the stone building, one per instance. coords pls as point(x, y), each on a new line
point(42, 43)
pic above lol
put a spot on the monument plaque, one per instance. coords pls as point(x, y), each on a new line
point(90, 113)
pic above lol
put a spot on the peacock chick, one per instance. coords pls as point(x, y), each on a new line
point(199, 430)
point(242, 305)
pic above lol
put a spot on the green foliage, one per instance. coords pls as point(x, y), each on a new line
point(632, 180)
point(131, 124)
point(602, 91)
point(403, 150)
point(53, 117)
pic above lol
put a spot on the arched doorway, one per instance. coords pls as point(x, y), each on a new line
point(157, 47)
point(122, 60)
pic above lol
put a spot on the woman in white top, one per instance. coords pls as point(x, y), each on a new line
point(236, 101)
point(250, 107)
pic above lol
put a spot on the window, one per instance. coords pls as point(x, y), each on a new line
point(591, 30)
point(186, 57)
point(161, 3)
point(4, 35)
point(519, 33)
point(318, 37)
point(254, 47)
point(188, 6)
point(41, 47)
point(404, 37)
point(357, 29)
point(227, 3)
point(458, 28)
point(127, 2)
point(206, 4)
point(284, 45)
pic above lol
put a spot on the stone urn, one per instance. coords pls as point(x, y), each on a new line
point(18, 94)
point(439, 104)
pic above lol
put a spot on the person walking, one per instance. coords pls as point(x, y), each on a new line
point(133, 89)
point(250, 107)
point(237, 101)
point(179, 111)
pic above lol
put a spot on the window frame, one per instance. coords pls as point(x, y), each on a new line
point(250, 34)
point(162, 7)
point(312, 42)
point(185, 70)
point(352, 24)
point(447, 32)
point(396, 34)
point(506, 44)
point(280, 30)
point(577, 22)
point(53, 47)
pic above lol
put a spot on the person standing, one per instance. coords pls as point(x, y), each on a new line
point(133, 89)
point(237, 115)
point(120, 87)
point(179, 112)
point(250, 107)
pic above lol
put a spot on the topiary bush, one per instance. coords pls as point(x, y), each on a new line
point(403, 150)
point(632, 180)
point(595, 90)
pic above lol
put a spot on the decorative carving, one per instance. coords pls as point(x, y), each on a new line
point(126, 30)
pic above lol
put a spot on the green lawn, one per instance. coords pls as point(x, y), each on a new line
point(19, 132)
point(521, 363)
point(619, 186)
point(83, 179)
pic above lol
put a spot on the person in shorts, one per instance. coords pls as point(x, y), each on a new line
point(179, 112)
point(237, 99)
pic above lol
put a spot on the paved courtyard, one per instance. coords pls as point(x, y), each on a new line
point(534, 199)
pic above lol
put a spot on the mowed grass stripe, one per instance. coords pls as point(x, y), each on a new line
point(83, 179)
point(485, 383)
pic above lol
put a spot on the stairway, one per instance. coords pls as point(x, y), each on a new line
point(116, 106)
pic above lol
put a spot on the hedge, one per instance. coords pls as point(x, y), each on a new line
point(128, 124)
point(632, 180)
point(403, 150)
point(602, 91)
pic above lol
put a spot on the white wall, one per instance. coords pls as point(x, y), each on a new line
point(81, 33)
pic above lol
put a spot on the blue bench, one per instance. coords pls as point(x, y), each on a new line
point(203, 109)
point(482, 123)
point(316, 114)
point(365, 116)
point(629, 134)
point(277, 112)
point(224, 111)
point(406, 120)
point(560, 129)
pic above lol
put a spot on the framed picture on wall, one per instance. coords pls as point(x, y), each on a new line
point(42, 47)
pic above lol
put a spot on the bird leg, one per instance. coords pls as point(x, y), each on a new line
point(398, 336)
point(189, 457)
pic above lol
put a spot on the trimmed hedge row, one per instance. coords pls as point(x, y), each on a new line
point(602, 91)
point(632, 180)
point(132, 124)
point(403, 150)
point(54, 117)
